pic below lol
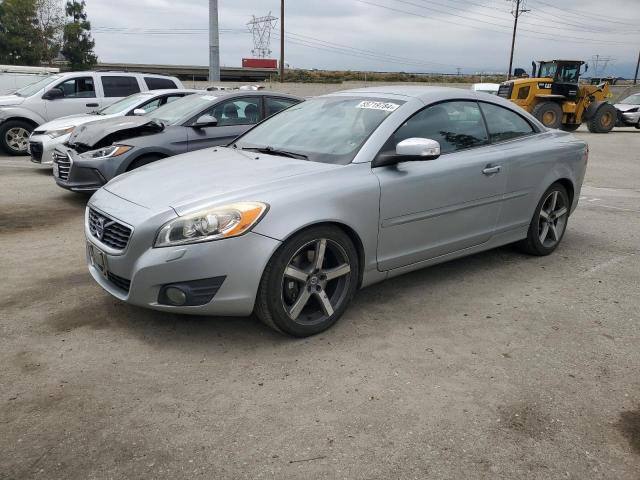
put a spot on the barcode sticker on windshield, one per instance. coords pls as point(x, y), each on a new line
point(386, 106)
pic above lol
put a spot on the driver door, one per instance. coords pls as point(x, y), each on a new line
point(79, 97)
point(435, 207)
point(235, 116)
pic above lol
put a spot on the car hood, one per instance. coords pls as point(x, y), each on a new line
point(71, 121)
point(10, 100)
point(100, 133)
point(624, 107)
point(195, 180)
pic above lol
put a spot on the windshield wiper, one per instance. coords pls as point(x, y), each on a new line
point(274, 151)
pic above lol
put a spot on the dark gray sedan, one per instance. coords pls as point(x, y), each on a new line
point(98, 152)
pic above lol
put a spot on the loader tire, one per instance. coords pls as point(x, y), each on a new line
point(549, 113)
point(603, 120)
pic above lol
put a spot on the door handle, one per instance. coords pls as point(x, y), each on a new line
point(491, 169)
point(93, 105)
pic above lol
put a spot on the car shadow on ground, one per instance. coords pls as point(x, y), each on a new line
point(97, 310)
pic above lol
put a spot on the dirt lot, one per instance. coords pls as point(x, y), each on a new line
point(494, 366)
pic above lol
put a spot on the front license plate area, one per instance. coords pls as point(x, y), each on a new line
point(98, 259)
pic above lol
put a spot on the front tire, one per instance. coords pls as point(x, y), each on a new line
point(604, 119)
point(14, 137)
point(549, 114)
point(549, 222)
point(309, 282)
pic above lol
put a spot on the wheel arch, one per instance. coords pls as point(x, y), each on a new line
point(149, 153)
point(569, 187)
point(348, 230)
point(18, 118)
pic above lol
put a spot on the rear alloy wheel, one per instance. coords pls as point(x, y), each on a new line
point(549, 113)
point(14, 137)
point(309, 282)
point(549, 222)
point(604, 119)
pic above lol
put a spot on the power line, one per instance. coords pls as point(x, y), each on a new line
point(591, 17)
point(538, 36)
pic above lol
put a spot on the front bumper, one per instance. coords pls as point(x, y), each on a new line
point(72, 172)
point(41, 148)
point(145, 270)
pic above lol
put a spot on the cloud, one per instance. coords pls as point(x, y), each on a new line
point(389, 35)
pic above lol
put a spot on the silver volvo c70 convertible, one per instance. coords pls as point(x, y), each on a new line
point(329, 196)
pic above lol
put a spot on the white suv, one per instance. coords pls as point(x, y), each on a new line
point(67, 94)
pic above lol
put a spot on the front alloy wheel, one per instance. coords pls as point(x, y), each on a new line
point(309, 282)
point(549, 222)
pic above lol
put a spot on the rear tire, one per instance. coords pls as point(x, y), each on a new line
point(14, 137)
point(549, 222)
point(549, 114)
point(301, 297)
point(603, 120)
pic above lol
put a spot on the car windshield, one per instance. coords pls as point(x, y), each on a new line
point(632, 100)
point(324, 129)
point(547, 70)
point(37, 86)
point(126, 103)
point(183, 109)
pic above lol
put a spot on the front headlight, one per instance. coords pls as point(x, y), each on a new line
point(59, 132)
point(212, 224)
point(107, 152)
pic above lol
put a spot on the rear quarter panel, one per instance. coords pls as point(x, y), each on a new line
point(541, 161)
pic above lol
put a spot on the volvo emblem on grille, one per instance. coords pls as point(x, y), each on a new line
point(98, 227)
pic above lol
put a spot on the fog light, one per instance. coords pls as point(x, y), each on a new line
point(175, 295)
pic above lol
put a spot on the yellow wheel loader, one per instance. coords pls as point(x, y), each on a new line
point(556, 98)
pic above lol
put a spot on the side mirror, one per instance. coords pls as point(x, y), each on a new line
point(205, 121)
point(53, 94)
point(139, 111)
point(409, 150)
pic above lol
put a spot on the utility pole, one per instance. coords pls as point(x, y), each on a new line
point(281, 40)
point(635, 77)
point(214, 42)
point(516, 14)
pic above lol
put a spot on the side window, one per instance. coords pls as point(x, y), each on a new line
point(274, 105)
point(81, 87)
point(242, 111)
point(151, 105)
point(119, 86)
point(172, 98)
point(503, 124)
point(455, 125)
point(155, 83)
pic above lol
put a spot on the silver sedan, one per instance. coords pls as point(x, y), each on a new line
point(329, 196)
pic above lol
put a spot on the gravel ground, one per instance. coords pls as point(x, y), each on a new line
point(496, 366)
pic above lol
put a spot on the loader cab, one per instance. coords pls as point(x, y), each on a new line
point(564, 75)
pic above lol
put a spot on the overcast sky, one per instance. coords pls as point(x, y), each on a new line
point(389, 35)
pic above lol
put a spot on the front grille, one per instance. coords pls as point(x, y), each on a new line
point(36, 151)
point(64, 164)
point(110, 232)
point(505, 90)
point(121, 283)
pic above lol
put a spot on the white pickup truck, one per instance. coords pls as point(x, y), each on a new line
point(67, 94)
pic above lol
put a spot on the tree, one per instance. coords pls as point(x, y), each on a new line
point(19, 37)
point(77, 42)
point(50, 26)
